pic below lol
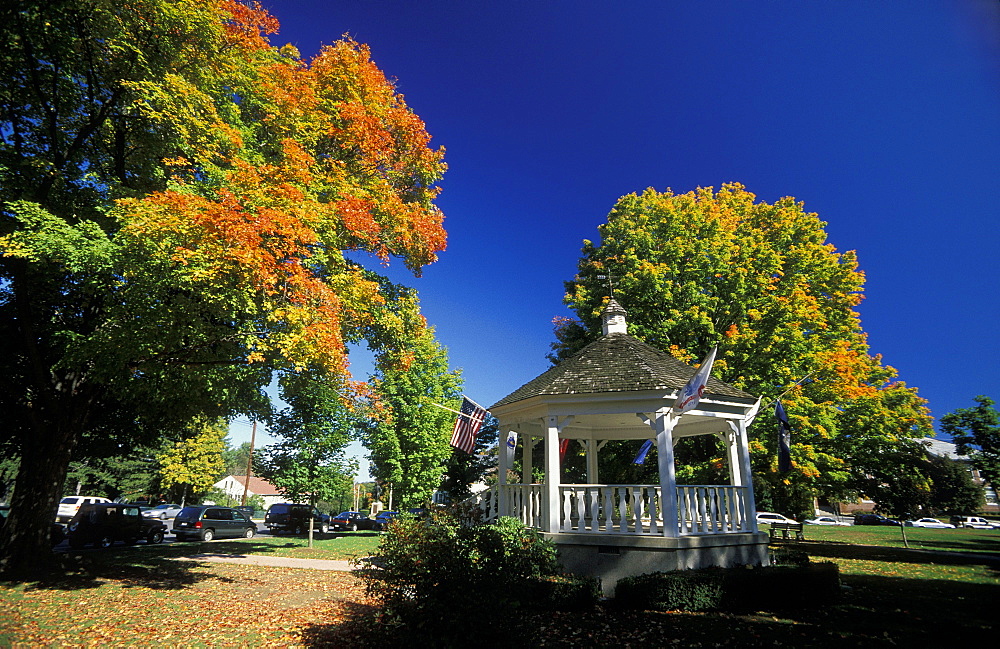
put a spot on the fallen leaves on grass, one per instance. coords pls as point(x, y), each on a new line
point(231, 605)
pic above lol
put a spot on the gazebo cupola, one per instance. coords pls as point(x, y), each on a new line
point(613, 318)
point(620, 388)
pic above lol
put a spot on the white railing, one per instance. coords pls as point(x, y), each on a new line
point(623, 509)
point(522, 501)
point(638, 509)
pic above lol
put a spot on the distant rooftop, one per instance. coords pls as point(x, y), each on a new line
point(941, 448)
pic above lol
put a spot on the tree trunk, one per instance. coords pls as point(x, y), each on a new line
point(25, 549)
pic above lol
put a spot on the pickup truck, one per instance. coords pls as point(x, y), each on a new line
point(974, 522)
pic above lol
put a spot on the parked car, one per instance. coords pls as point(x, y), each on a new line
point(291, 517)
point(771, 517)
point(246, 509)
point(930, 522)
point(974, 522)
point(57, 532)
point(873, 519)
point(383, 519)
point(352, 521)
point(995, 525)
point(207, 522)
point(101, 524)
point(824, 520)
point(69, 505)
point(163, 512)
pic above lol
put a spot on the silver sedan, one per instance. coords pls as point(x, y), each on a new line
point(163, 512)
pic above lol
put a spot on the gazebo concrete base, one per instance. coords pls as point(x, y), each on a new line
point(612, 557)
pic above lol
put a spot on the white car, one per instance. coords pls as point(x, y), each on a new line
point(931, 522)
point(771, 517)
point(825, 520)
point(163, 512)
point(69, 505)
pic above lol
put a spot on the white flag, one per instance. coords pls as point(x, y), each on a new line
point(691, 394)
point(511, 446)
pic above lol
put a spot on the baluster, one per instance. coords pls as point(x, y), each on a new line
point(684, 509)
point(654, 512)
point(700, 496)
point(567, 524)
point(581, 509)
point(622, 510)
point(741, 505)
point(609, 509)
point(594, 505)
point(637, 509)
point(713, 508)
point(734, 515)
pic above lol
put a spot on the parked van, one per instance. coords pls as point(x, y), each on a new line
point(69, 505)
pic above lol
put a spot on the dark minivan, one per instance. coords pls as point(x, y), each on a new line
point(207, 522)
point(291, 517)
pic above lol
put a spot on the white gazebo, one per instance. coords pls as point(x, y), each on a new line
point(619, 388)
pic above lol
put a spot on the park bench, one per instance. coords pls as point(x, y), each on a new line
point(786, 530)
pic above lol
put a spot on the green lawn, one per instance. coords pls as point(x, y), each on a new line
point(959, 540)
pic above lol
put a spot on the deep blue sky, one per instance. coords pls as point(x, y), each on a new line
point(881, 116)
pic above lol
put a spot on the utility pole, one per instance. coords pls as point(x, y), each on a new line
point(246, 480)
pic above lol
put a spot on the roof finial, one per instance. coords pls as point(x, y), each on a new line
point(611, 285)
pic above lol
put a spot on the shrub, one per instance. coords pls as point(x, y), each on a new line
point(439, 582)
point(682, 590)
point(566, 592)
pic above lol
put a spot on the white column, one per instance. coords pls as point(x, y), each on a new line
point(527, 444)
point(592, 476)
point(744, 452)
point(503, 463)
point(731, 438)
point(552, 474)
point(663, 424)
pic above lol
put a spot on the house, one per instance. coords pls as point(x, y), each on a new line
point(619, 388)
point(233, 486)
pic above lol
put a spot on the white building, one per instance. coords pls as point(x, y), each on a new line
point(233, 486)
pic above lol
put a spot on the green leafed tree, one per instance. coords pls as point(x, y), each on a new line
point(190, 467)
point(408, 440)
point(308, 462)
point(976, 433)
point(185, 211)
point(762, 282)
point(235, 459)
point(952, 488)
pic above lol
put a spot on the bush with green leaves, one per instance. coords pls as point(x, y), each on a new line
point(439, 582)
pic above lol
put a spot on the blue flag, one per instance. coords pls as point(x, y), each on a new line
point(640, 457)
point(784, 439)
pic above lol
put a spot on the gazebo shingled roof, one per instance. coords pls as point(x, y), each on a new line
point(617, 362)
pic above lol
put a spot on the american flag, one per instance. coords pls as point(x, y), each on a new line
point(691, 394)
point(463, 437)
point(784, 439)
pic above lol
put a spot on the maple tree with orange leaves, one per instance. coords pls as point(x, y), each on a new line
point(186, 211)
point(762, 282)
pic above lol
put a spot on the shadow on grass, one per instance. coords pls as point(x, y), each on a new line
point(83, 570)
point(872, 611)
point(897, 555)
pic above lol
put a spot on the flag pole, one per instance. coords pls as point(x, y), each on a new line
point(462, 414)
